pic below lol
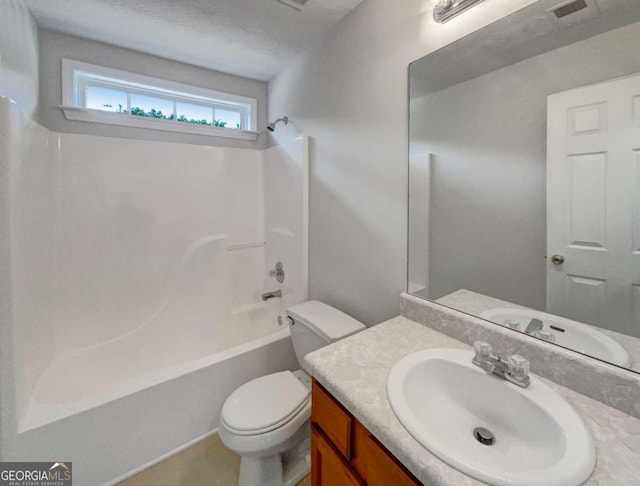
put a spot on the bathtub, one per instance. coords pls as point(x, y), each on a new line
point(133, 287)
point(134, 406)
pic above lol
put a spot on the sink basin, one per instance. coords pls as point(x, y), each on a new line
point(577, 335)
point(448, 405)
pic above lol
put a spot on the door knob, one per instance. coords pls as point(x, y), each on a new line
point(557, 259)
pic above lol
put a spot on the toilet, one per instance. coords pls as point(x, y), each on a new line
point(267, 420)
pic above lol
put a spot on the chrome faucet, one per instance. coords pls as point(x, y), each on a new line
point(515, 369)
point(271, 295)
point(534, 326)
point(535, 329)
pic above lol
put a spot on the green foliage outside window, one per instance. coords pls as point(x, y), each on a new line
point(153, 113)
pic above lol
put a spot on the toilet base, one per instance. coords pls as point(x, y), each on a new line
point(283, 469)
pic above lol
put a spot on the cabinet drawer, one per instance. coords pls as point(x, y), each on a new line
point(330, 417)
point(328, 468)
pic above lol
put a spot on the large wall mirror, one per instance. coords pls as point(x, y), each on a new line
point(524, 204)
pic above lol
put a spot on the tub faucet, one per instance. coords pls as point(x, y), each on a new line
point(515, 369)
point(271, 295)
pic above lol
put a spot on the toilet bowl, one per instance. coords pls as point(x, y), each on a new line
point(267, 420)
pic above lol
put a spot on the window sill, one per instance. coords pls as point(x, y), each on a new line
point(97, 116)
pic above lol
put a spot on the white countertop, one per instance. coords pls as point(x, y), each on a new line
point(355, 371)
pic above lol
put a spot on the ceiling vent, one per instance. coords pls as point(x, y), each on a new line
point(297, 4)
point(573, 12)
point(569, 8)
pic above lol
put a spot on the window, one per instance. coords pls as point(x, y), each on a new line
point(102, 95)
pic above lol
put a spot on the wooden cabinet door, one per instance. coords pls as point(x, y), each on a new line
point(327, 466)
point(383, 469)
point(332, 419)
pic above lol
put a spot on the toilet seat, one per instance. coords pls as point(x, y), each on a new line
point(265, 404)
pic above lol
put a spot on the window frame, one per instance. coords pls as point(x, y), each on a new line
point(76, 76)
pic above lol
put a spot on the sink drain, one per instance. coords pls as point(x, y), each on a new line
point(484, 436)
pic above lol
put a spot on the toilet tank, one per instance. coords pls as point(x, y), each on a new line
point(314, 325)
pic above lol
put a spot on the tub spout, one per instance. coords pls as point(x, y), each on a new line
point(271, 295)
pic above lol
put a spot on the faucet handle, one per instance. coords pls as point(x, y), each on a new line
point(482, 349)
point(545, 336)
point(512, 324)
point(518, 366)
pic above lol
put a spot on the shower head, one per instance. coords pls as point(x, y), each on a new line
point(272, 126)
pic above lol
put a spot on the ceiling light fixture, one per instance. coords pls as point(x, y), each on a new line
point(445, 10)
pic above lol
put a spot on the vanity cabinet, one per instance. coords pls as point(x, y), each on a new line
point(345, 453)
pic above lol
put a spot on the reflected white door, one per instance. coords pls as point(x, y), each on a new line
point(593, 204)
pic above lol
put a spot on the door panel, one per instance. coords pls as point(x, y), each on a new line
point(593, 204)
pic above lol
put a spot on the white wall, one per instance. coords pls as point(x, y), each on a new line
point(350, 94)
point(55, 46)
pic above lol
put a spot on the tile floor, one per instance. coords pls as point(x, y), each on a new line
point(207, 463)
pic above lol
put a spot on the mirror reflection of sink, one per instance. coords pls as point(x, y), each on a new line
point(565, 332)
point(486, 427)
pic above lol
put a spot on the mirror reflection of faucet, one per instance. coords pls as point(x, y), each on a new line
point(574, 335)
point(534, 328)
point(513, 324)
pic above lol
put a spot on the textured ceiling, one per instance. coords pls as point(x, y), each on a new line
point(522, 35)
point(253, 38)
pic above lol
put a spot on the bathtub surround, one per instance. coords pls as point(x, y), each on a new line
point(355, 372)
point(55, 46)
point(608, 384)
point(28, 260)
point(18, 55)
point(134, 276)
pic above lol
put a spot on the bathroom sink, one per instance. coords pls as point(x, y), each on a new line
point(570, 334)
point(486, 427)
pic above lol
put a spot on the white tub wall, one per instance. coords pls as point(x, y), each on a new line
point(31, 252)
point(245, 220)
point(8, 419)
point(130, 209)
point(18, 55)
point(286, 172)
point(107, 442)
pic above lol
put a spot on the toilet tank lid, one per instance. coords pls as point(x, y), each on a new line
point(327, 321)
